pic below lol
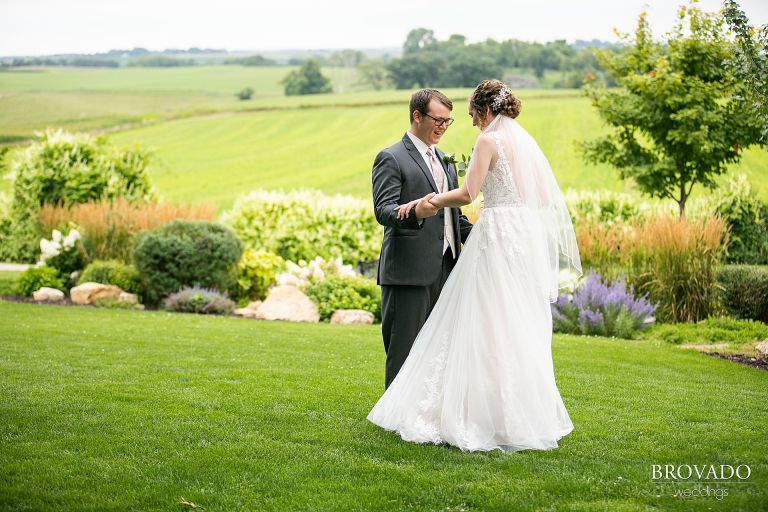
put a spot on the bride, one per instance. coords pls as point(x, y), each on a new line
point(480, 374)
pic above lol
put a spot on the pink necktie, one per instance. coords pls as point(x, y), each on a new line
point(437, 171)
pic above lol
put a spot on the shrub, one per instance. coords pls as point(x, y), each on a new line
point(64, 253)
point(35, 278)
point(747, 220)
point(744, 291)
point(245, 94)
point(64, 168)
point(315, 271)
point(304, 224)
point(257, 272)
point(673, 260)
point(711, 330)
point(353, 292)
point(108, 227)
point(126, 277)
point(199, 300)
point(603, 309)
point(186, 253)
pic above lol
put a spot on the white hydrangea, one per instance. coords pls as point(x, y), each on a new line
point(58, 244)
point(315, 271)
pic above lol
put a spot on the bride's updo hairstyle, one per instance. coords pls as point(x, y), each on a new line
point(496, 95)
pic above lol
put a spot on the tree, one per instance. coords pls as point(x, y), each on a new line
point(417, 40)
point(306, 80)
point(750, 61)
point(677, 117)
point(374, 73)
point(346, 58)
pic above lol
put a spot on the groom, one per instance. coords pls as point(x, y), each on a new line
point(419, 251)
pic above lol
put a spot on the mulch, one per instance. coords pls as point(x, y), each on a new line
point(746, 360)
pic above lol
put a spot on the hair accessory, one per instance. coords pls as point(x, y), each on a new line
point(500, 97)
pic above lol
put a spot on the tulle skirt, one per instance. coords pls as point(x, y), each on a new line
point(480, 374)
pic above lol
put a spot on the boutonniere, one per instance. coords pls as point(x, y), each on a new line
point(461, 166)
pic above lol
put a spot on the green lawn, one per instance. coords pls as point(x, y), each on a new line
point(217, 158)
point(116, 410)
point(211, 147)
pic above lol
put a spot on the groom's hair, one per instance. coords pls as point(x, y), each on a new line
point(421, 98)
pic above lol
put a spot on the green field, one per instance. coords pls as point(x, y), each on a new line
point(117, 410)
point(209, 146)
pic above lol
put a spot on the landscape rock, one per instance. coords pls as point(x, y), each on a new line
point(352, 317)
point(761, 351)
point(46, 294)
point(249, 311)
point(130, 298)
point(89, 293)
point(290, 304)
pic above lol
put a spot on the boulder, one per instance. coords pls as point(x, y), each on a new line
point(352, 317)
point(46, 294)
point(290, 304)
point(249, 311)
point(130, 298)
point(89, 293)
point(761, 351)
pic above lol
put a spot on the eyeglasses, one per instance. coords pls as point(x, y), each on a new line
point(440, 122)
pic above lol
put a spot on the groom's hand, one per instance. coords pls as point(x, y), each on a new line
point(426, 209)
point(423, 208)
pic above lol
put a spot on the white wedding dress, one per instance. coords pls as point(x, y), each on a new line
point(480, 374)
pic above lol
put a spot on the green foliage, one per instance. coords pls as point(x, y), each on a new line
point(126, 277)
point(199, 300)
point(65, 169)
point(348, 292)
point(750, 61)
point(711, 330)
point(8, 282)
point(672, 260)
point(307, 80)
point(257, 272)
point(300, 225)
point(35, 278)
point(373, 73)
point(747, 219)
point(245, 94)
point(64, 253)
point(745, 291)
point(677, 118)
point(251, 60)
point(160, 61)
point(186, 253)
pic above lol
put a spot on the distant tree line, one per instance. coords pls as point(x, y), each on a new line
point(454, 63)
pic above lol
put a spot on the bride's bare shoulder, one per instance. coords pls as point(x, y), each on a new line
point(485, 142)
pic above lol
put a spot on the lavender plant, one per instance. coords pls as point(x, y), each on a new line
point(199, 300)
point(602, 309)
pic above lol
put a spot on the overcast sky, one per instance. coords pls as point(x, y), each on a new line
point(36, 27)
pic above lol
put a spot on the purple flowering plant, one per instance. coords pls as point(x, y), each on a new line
point(602, 309)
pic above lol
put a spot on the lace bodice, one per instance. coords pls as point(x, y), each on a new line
point(499, 188)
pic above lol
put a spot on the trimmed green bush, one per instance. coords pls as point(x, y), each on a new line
point(35, 278)
point(257, 272)
point(115, 272)
point(199, 300)
point(711, 330)
point(304, 224)
point(744, 291)
point(345, 293)
point(186, 253)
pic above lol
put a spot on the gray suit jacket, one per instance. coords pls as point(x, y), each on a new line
point(411, 253)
